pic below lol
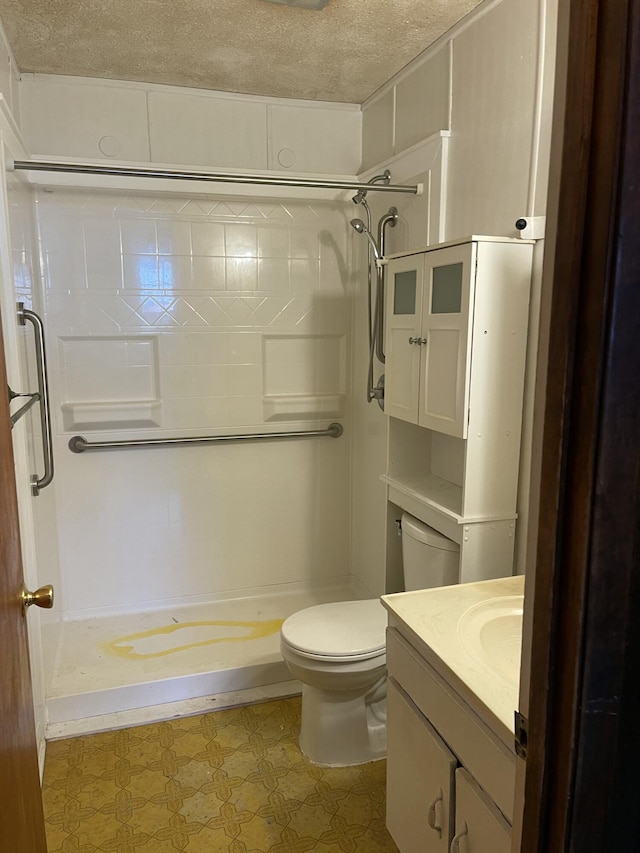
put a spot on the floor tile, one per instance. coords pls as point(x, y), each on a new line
point(232, 781)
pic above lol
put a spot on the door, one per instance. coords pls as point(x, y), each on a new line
point(420, 779)
point(21, 817)
point(403, 340)
point(447, 313)
point(480, 826)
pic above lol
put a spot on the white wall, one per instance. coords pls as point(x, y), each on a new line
point(488, 83)
point(107, 120)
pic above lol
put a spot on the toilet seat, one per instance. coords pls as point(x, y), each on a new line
point(340, 632)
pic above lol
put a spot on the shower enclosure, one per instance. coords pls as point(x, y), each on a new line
point(174, 324)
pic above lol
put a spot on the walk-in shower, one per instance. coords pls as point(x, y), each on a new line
point(375, 272)
point(194, 363)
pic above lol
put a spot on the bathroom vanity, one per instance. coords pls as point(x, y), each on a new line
point(453, 662)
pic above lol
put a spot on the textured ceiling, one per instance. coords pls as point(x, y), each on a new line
point(342, 53)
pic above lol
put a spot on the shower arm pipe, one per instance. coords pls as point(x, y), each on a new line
point(79, 444)
point(212, 177)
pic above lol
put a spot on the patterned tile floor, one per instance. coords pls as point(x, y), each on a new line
point(232, 781)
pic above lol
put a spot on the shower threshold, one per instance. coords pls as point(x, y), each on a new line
point(117, 670)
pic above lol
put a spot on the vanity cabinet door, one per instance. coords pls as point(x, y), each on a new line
point(447, 315)
point(480, 826)
point(420, 779)
point(403, 338)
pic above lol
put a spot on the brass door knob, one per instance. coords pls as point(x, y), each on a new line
point(42, 597)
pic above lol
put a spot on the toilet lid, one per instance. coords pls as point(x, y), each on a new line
point(344, 629)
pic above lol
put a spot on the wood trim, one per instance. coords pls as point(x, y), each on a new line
point(588, 534)
point(21, 816)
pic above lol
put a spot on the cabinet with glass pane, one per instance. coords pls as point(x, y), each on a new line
point(456, 320)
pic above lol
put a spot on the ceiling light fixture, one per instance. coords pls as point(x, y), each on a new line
point(315, 5)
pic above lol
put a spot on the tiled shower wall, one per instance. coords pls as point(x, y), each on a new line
point(178, 316)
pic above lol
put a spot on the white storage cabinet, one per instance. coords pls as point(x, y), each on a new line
point(456, 337)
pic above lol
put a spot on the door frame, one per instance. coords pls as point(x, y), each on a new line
point(584, 692)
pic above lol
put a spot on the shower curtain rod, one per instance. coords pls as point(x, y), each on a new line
point(78, 443)
point(213, 177)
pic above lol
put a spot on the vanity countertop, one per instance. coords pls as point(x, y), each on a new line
point(471, 634)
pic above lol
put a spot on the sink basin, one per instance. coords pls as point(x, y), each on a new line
point(491, 633)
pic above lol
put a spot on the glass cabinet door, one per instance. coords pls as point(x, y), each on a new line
point(447, 310)
point(404, 279)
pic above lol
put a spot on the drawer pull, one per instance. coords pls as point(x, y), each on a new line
point(431, 816)
point(455, 843)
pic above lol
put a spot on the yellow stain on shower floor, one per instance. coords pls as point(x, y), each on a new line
point(160, 642)
point(216, 640)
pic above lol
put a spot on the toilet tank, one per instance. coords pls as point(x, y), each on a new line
point(428, 558)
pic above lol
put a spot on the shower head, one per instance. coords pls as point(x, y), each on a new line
point(361, 228)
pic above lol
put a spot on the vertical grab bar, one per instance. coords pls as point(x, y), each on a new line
point(24, 315)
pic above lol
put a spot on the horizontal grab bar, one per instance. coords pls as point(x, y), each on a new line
point(78, 444)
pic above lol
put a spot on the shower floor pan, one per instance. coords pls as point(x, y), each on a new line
point(141, 667)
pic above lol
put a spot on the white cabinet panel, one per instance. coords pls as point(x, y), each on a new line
point(422, 100)
point(420, 777)
point(198, 130)
point(377, 130)
point(480, 827)
point(78, 120)
point(315, 139)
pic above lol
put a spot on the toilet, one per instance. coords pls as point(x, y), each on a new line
point(338, 652)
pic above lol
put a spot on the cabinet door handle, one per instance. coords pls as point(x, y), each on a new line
point(455, 842)
point(431, 816)
point(418, 341)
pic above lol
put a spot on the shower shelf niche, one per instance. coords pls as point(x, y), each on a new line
point(112, 415)
point(278, 407)
point(110, 382)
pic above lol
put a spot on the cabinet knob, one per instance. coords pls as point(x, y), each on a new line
point(418, 341)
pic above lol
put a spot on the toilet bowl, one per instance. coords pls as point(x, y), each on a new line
point(338, 652)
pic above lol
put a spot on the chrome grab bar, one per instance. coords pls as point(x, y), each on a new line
point(78, 444)
point(24, 315)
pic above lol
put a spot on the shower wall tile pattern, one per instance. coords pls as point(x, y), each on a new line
point(222, 271)
point(170, 316)
point(233, 781)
